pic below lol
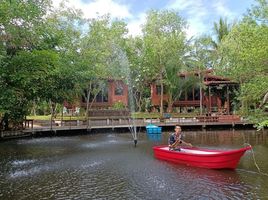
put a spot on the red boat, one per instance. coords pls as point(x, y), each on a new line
point(212, 159)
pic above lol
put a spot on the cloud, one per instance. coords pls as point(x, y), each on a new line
point(195, 12)
point(134, 24)
point(101, 7)
point(98, 8)
point(180, 4)
point(222, 9)
point(196, 27)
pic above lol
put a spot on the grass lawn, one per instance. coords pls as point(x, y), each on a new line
point(134, 115)
point(47, 117)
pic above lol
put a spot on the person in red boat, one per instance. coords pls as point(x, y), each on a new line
point(175, 139)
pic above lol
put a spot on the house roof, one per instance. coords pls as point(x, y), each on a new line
point(216, 78)
point(220, 82)
point(208, 77)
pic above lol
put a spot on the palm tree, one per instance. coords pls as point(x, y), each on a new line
point(221, 29)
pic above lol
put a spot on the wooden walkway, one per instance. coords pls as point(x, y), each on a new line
point(96, 124)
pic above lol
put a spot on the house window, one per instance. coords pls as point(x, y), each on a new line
point(182, 96)
point(102, 95)
point(158, 90)
point(190, 95)
point(119, 90)
point(197, 94)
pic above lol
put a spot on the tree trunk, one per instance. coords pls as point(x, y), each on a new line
point(91, 103)
point(170, 103)
point(265, 99)
point(33, 110)
point(87, 109)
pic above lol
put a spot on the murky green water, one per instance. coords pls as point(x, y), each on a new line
point(107, 166)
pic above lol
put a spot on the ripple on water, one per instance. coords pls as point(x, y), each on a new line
point(91, 145)
point(45, 140)
point(92, 164)
point(111, 136)
point(109, 167)
point(22, 162)
point(28, 172)
point(103, 144)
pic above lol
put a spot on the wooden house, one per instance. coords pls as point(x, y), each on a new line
point(216, 94)
point(114, 91)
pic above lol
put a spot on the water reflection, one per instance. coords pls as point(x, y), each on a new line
point(154, 137)
point(107, 166)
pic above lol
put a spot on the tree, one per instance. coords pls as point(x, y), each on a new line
point(139, 72)
point(258, 13)
point(202, 56)
point(62, 33)
point(221, 29)
point(19, 24)
point(99, 51)
point(38, 52)
point(245, 58)
point(165, 45)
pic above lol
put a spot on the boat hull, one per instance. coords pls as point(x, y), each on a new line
point(212, 159)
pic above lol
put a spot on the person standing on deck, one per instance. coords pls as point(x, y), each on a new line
point(175, 139)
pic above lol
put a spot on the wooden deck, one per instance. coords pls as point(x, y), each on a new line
point(120, 123)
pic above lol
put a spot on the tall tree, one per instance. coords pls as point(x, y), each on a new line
point(258, 13)
point(19, 25)
point(164, 39)
point(245, 58)
point(99, 50)
point(203, 56)
point(139, 72)
point(221, 29)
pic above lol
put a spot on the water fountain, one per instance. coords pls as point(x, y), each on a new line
point(123, 64)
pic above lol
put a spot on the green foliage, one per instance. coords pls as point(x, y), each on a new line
point(221, 29)
point(244, 52)
point(165, 48)
point(202, 54)
point(262, 125)
point(258, 13)
point(33, 68)
point(49, 56)
point(118, 105)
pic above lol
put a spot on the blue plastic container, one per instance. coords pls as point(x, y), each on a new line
point(153, 129)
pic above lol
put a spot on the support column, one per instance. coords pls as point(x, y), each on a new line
point(209, 99)
point(228, 100)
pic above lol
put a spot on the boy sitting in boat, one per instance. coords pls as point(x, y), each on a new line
point(175, 139)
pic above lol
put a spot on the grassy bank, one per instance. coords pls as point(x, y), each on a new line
point(134, 115)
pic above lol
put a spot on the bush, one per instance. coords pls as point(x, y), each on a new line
point(118, 105)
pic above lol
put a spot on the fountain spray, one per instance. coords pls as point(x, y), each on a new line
point(124, 67)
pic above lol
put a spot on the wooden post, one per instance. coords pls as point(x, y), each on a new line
point(200, 95)
point(70, 121)
point(61, 117)
point(162, 94)
point(209, 99)
point(228, 100)
point(88, 124)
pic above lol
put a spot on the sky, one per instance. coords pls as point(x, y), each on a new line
point(199, 14)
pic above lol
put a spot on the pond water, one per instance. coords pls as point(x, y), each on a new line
point(107, 166)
